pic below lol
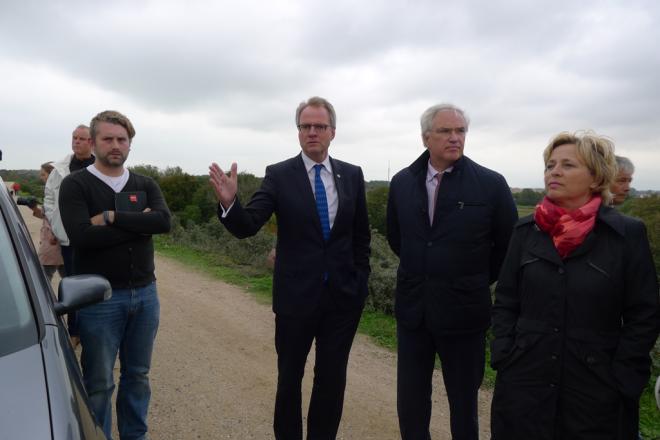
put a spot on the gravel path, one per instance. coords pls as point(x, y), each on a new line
point(214, 368)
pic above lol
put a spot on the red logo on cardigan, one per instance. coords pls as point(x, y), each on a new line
point(133, 198)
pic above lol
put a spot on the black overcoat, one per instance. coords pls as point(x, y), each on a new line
point(445, 269)
point(572, 337)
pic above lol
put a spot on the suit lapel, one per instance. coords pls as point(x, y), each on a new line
point(305, 190)
point(340, 187)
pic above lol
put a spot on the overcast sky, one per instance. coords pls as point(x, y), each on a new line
point(207, 81)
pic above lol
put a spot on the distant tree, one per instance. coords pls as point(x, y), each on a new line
point(178, 190)
point(527, 197)
point(172, 171)
point(373, 184)
point(204, 199)
point(248, 184)
point(147, 170)
point(377, 207)
point(190, 215)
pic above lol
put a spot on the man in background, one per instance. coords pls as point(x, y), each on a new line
point(80, 158)
point(621, 186)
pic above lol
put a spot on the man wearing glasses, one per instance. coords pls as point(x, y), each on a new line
point(449, 220)
point(321, 268)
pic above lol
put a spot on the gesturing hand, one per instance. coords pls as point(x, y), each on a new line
point(224, 186)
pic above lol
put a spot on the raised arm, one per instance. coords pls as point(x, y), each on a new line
point(241, 221)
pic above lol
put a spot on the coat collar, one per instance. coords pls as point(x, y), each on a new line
point(606, 214)
point(420, 164)
point(612, 218)
point(542, 246)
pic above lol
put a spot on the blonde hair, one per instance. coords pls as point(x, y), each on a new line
point(597, 153)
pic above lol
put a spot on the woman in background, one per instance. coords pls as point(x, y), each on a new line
point(576, 307)
point(50, 254)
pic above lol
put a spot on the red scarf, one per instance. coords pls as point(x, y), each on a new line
point(567, 229)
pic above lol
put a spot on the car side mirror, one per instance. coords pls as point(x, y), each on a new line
point(78, 291)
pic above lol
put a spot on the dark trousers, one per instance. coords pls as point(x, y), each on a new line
point(462, 357)
point(333, 330)
point(71, 318)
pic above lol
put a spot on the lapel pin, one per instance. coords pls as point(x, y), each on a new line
point(338, 176)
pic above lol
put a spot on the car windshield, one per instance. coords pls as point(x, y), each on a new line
point(17, 326)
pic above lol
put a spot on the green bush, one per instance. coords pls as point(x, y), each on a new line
point(211, 237)
point(377, 208)
point(382, 281)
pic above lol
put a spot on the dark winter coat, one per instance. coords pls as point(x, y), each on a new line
point(445, 269)
point(572, 337)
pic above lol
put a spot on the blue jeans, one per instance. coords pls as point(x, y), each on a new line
point(127, 323)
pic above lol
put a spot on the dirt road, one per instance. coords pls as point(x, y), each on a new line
point(214, 368)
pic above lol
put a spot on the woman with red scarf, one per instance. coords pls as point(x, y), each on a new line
point(576, 307)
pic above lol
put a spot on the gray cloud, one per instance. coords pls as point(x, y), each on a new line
point(225, 77)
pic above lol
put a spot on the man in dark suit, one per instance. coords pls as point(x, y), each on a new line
point(449, 220)
point(321, 267)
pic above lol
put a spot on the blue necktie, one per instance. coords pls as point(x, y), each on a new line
point(321, 202)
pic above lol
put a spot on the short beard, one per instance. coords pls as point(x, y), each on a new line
point(111, 164)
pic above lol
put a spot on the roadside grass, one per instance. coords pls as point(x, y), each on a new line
point(259, 285)
point(649, 414)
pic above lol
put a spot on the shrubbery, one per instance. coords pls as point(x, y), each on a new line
point(382, 281)
point(214, 239)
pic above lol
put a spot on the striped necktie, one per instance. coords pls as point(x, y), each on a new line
point(321, 202)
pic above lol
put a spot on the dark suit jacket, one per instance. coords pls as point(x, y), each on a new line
point(445, 269)
point(303, 257)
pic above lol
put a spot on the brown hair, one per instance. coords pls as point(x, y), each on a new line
point(112, 117)
point(47, 167)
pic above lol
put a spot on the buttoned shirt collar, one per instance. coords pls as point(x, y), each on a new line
point(431, 172)
point(309, 163)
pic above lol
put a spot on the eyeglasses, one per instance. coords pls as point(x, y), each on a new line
point(318, 127)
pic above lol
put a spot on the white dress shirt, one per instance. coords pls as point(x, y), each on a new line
point(328, 182)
